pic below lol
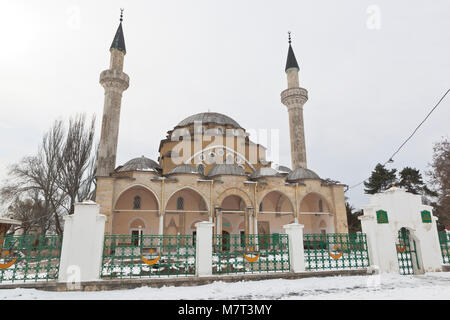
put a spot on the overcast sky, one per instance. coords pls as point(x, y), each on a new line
point(373, 70)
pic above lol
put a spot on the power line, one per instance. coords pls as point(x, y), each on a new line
point(410, 136)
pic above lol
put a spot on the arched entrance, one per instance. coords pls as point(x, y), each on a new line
point(275, 211)
point(407, 253)
point(184, 207)
point(232, 211)
point(136, 227)
point(314, 209)
point(137, 204)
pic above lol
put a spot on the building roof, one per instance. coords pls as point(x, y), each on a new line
point(265, 172)
point(284, 169)
point(119, 41)
point(209, 117)
point(291, 61)
point(184, 168)
point(226, 169)
point(139, 164)
point(300, 174)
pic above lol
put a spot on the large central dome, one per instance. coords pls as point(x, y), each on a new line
point(209, 117)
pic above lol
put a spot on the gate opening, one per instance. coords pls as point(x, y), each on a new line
point(407, 253)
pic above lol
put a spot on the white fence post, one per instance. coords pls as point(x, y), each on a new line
point(203, 245)
point(82, 247)
point(296, 250)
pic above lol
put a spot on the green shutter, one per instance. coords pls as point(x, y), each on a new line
point(426, 216)
point(382, 216)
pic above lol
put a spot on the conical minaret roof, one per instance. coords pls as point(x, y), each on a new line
point(291, 61)
point(119, 41)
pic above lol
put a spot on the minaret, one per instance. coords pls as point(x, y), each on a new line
point(115, 81)
point(294, 98)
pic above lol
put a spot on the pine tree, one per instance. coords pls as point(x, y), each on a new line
point(381, 179)
point(411, 180)
point(354, 225)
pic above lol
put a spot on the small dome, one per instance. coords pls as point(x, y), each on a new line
point(140, 164)
point(209, 117)
point(226, 169)
point(184, 168)
point(264, 172)
point(301, 173)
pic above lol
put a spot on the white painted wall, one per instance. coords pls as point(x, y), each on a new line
point(82, 247)
point(403, 210)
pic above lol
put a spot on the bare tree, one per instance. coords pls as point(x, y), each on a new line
point(62, 172)
point(35, 176)
point(49, 158)
point(89, 183)
point(32, 213)
point(75, 160)
point(440, 179)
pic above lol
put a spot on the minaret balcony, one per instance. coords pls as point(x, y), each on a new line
point(114, 79)
point(294, 96)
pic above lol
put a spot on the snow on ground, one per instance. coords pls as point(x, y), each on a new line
point(384, 286)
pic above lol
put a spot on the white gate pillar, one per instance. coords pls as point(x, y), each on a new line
point(203, 246)
point(296, 250)
point(82, 246)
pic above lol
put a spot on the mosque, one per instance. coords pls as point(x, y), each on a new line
point(208, 169)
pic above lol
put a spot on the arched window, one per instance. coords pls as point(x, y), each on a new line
point(180, 203)
point(320, 205)
point(137, 202)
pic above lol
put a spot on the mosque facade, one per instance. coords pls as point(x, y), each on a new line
point(209, 169)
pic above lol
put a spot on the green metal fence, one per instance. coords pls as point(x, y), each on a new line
point(335, 251)
point(126, 256)
point(233, 254)
point(444, 240)
point(29, 258)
